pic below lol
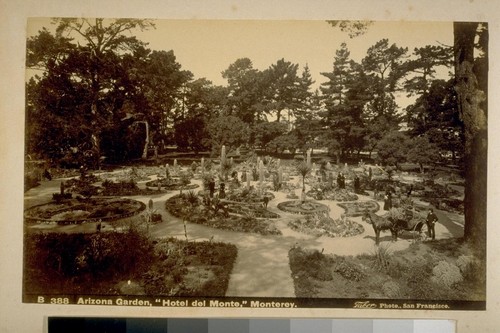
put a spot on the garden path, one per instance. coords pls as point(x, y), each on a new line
point(261, 268)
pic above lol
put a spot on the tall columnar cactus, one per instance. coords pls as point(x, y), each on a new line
point(223, 154)
point(261, 172)
point(249, 175)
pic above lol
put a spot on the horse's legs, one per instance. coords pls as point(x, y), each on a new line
point(394, 235)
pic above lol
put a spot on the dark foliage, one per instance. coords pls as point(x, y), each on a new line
point(83, 263)
point(190, 269)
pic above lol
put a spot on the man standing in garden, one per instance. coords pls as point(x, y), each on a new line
point(431, 221)
point(211, 187)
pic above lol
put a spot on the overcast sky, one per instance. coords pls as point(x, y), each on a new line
point(207, 47)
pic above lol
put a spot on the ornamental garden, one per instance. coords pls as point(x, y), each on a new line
point(142, 180)
point(175, 229)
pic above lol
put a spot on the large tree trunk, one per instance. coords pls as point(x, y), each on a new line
point(470, 98)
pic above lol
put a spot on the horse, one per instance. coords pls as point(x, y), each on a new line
point(379, 224)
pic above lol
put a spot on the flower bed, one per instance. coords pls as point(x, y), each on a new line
point(135, 173)
point(359, 208)
point(124, 188)
point(334, 194)
point(449, 205)
point(317, 225)
point(74, 212)
point(303, 208)
point(248, 195)
point(255, 210)
point(220, 216)
point(239, 224)
point(171, 184)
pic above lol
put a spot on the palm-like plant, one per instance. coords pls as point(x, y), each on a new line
point(303, 169)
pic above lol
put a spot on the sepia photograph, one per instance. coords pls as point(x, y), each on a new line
point(353, 182)
point(261, 164)
point(255, 163)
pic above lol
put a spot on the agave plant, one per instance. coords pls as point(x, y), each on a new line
point(396, 214)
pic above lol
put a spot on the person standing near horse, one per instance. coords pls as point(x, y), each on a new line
point(388, 200)
point(431, 221)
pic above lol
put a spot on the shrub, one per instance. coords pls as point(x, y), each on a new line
point(58, 197)
point(156, 218)
point(67, 263)
point(321, 225)
point(304, 264)
point(396, 214)
point(348, 270)
point(446, 274)
point(391, 289)
point(418, 280)
point(190, 269)
point(465, 262)
point(124, 187)
point(382, 258)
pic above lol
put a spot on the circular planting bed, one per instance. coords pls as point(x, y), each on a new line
point(359, 208)
point(303, 208)
point(221, 214)
point(75, 211)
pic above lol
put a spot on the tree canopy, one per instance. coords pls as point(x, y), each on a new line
point(102, 93)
